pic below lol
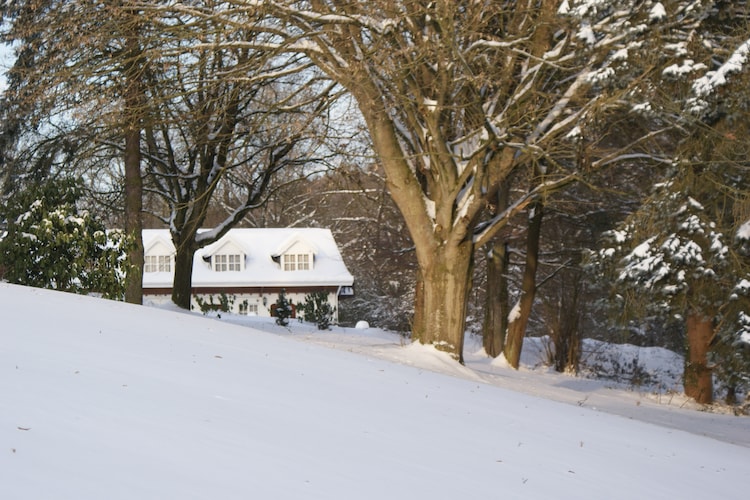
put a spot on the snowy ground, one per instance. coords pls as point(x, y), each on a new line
point(660, 402)
point(107, 400)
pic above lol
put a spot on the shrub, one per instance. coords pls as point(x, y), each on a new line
point(283, 310)
point(318, 310)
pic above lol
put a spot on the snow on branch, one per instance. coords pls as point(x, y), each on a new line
point(708, 84)
point(487, 230)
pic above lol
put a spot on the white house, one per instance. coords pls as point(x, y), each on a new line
point(250, 267)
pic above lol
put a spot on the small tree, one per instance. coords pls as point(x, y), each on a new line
point(51, 244)
point(318, 310)
point(283, 309)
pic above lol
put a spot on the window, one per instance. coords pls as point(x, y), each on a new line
point(157, 263)
point(234, 263)
point(249, 309)
point(290, 262)
point(231, 262)
point(220, 262)
point(303, 262)
point(297, 262)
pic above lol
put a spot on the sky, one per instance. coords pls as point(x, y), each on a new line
point(102, 399)
point(6, 55)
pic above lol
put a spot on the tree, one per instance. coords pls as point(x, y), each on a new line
point(283, 309)
point(461, 97)
point(318, 310)
point(223, 132)
point(49, 243)
point(76, 61)
point(682, 250)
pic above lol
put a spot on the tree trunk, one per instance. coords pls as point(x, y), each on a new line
point(522, 310)
point(443, 295)
point(182, 286)
point(698, 377)
point(133, 216)
point(496, 303)
point(133, 180)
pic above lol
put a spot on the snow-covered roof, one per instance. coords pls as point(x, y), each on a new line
point(259, 246)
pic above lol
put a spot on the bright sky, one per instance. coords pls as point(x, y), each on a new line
point(5, 60)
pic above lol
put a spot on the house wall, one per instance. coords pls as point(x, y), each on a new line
point(253, 296)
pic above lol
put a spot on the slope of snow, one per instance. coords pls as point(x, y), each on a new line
point(108, 400)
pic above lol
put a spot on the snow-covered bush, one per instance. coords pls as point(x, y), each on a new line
point(49, 243)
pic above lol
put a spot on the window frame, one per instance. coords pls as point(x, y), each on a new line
point(226, 262)
point(297, 262)
point(158, 263)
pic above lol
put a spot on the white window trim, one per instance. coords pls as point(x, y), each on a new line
point(297, 261)
point(157, 263)
point(223, 262)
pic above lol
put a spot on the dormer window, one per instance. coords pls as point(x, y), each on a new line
point(295, 254)
point(227, 262)
point(157, 264)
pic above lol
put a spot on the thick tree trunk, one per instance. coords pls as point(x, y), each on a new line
point(183, 276)
point(698, 377)
point(522, 310)
point(440, 318)
point(133, 216)
point(133, 181)
point(496, 307)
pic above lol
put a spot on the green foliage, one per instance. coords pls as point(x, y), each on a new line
point(283, 309)
point(681, 254)
point(318, 310)
point(49, 243)
point(224, 303)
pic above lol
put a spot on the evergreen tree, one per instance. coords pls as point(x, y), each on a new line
point(49, 243)
point(318, 310)
point(283, 309)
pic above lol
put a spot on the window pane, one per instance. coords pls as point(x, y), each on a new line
point(220, 262)
point(234, 263)
point(303, 262)
point(289, 263)
point(165, 263)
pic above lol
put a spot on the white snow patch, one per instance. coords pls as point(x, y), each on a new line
point(688, 66)
point(644, 108)
point(574, 134)
point(743, 233)
point(109, 400)
point(586, 33)
point(657, 12)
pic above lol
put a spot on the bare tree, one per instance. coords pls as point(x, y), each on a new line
point(228, 118)
point(459, 98)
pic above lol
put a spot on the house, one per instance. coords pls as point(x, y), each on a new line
point(250, 267)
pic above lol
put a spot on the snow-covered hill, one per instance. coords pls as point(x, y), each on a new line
point(101, 399)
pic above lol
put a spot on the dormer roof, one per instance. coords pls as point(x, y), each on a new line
point(295, 242)
point(158, 244)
